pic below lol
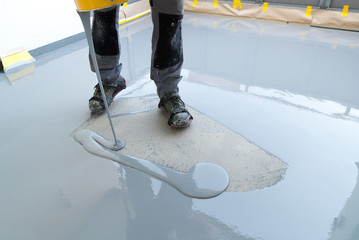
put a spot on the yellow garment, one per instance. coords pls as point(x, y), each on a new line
point(88, 5)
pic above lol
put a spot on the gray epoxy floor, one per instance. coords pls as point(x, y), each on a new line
point(289, 89)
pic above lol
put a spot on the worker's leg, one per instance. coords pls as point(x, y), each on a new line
point(105, 33)
point(167, 50)
point(167, 58)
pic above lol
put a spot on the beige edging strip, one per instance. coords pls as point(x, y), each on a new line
point(318, 17)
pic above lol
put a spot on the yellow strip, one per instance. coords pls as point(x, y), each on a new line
point(345, 10)
point(125, 4)
point(14, 58)
point(215, 3)
point(133, 18)
point(265, 6)
point(194, 3)
point(237, 3)
point(308, 12)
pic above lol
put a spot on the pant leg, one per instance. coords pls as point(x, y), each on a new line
point(167, 46)
point(105, 33)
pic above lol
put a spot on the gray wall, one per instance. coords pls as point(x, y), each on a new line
point(353, 4)
point(296, 2)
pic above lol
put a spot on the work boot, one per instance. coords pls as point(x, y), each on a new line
point(176, 109)
point(96, 104)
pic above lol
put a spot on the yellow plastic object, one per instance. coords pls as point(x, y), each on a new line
point(345, 10)
point(265, 6)
point(308, 12)
point(88, 5)
point(16, 59)
point(237, 3)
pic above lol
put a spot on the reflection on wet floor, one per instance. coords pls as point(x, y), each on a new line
point(295, 97)
point(289, 89)
point(346, 226)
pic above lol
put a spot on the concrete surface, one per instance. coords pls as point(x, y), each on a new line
point(140, 123)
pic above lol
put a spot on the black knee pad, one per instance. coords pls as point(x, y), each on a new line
point(169, 50)
point(104, 32)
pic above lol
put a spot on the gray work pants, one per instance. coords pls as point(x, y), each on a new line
point(167, 49)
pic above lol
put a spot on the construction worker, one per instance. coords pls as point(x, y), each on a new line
point(166, 59)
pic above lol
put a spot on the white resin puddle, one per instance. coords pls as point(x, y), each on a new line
point(203, 180)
